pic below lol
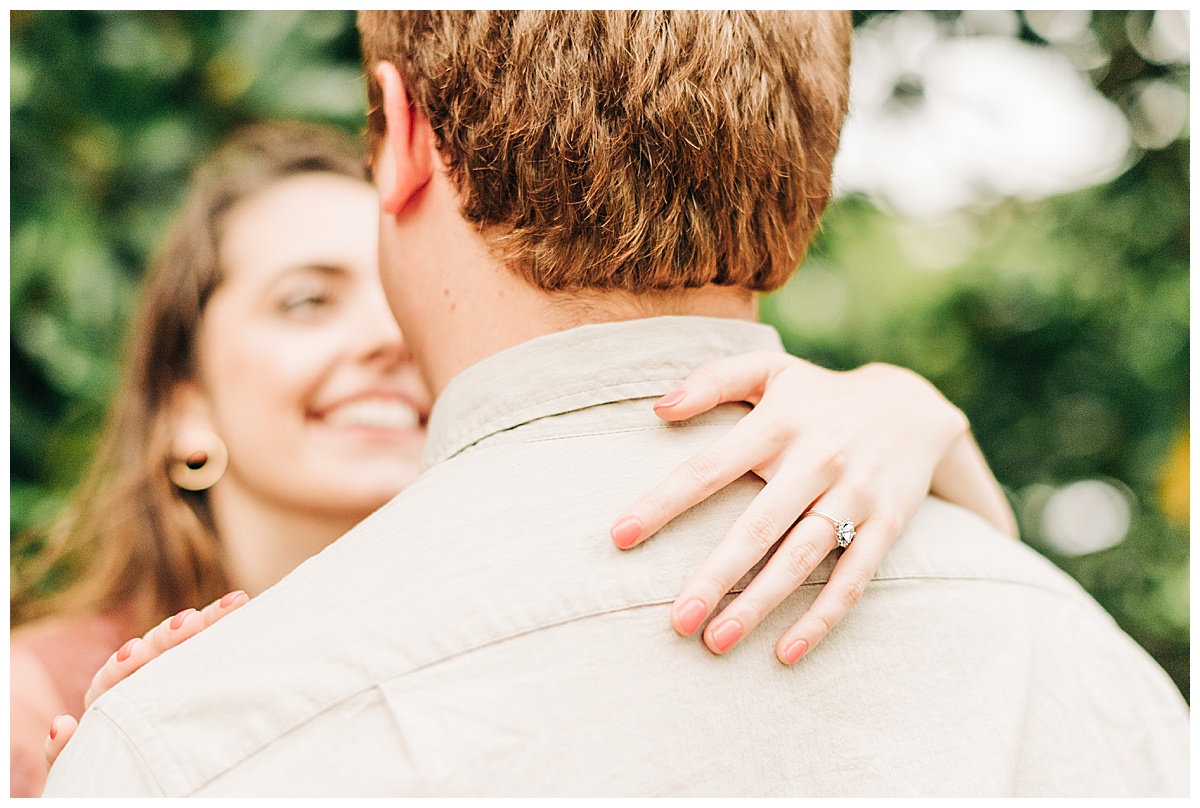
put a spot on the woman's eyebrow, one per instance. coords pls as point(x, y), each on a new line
point(323, 268)
point(329, 270)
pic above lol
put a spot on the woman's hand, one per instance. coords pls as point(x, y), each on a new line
point(865, 446)
point(136, 653)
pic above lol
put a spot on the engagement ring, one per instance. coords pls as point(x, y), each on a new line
point(844, 528)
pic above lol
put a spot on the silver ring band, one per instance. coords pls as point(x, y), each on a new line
point(844, 528)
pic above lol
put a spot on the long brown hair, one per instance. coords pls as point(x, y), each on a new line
point(130, 541)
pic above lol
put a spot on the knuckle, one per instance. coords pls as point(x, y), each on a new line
point(655, 508)
point(855, 493)
point(887, 523)
point(704, 470)
point(852, 590)
point(784, 427)
point(832, 464)
point(822, 624)
point(749, 612)
point(801, 559)
point(160, 640)
point(712, 587)
point(705, 378)
point(760, 531)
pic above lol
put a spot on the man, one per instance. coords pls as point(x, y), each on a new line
point(577, 208)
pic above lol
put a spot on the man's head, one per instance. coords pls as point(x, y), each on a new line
point(636, 151)
point(543, 169)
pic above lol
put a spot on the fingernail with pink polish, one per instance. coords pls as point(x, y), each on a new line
point(626, 531)
point(670, 399)
point(691, 615)
point(794, 651)
point(228, 600)
point(177, 620)
point(54, 727)
point(726, 634)
point(126, 650)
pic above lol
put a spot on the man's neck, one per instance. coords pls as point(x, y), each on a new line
point(492, 318)
point(457, 305)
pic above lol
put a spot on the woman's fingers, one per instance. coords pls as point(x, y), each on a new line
point(137, 652)
point(163, 637)
point(223, 606)
point(62, 728)
point(748, 445)
point(812, 433)
point(129, 657)
point(735, 378)
point(805, 546)
point(189, 622)
point(174, 630)
point(850, 577)
point(770, 514)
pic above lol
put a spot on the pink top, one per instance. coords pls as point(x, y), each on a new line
point(51, 663)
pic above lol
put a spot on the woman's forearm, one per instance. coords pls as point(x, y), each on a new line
point(964, 478)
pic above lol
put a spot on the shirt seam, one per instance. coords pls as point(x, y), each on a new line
point(548, 438)
point(133, 744)
point(572, 619)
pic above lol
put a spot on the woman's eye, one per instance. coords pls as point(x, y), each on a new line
point(305, 302)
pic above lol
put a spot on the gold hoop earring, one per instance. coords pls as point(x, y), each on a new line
point(200, 459)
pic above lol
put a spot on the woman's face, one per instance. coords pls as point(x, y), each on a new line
point(303, 370)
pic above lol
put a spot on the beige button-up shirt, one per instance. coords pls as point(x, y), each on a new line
point(481, 635)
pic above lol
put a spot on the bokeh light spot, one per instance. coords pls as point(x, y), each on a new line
point(994, 22)
point(1162, 37)
point(1058, 26)
point(1158, 112)
point(1086, 517)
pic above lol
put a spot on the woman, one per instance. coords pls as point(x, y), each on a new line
point(270, 404)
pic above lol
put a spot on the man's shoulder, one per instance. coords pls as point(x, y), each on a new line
point(501, 557)
point(946, 541)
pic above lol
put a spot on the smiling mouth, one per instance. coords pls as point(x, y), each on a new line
point(391, 415)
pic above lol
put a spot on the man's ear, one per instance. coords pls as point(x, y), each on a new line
point(404, 164)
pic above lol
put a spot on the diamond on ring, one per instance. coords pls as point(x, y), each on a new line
point(844, 528)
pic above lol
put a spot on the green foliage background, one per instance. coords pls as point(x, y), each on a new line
point(1062, 331)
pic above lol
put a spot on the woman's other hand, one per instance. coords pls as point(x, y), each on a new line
point(865, 445)
point(136, 653)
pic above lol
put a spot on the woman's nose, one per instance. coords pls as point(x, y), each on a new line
point(382, 339)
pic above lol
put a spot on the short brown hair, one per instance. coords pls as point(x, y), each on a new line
point(633, 150)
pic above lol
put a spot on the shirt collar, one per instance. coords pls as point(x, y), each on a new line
point(582, 367)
